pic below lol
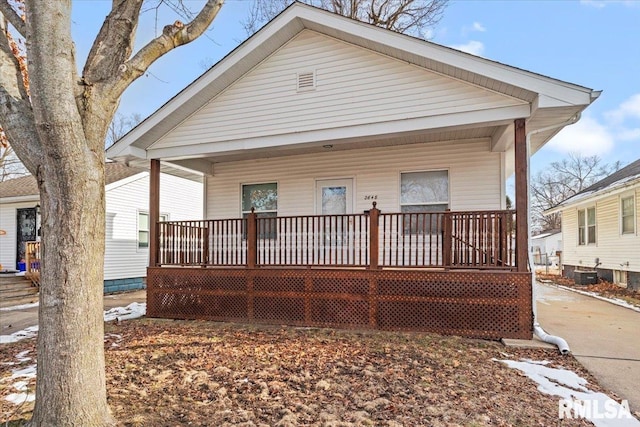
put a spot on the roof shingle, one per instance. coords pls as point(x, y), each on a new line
point(27, 186)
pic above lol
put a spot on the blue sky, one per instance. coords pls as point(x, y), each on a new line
point(590, 42)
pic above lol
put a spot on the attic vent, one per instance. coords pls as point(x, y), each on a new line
point(306, 81)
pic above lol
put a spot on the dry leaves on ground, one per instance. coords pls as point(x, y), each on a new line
point(175, 373)
point(602, 288)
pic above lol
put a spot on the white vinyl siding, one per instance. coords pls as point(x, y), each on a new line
point(352, 86)
point(180, 199)
point(474, 177)
point(613, 249)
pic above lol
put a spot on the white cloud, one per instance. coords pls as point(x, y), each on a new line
point(629, 134)
point(473, 47)
point(587, 137)
point(628, 109)
point(479, 27)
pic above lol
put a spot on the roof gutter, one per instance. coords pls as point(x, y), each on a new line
point(562, 345)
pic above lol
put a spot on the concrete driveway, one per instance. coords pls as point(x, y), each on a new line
point(605, 338)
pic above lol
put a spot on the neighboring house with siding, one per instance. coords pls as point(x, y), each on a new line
point(545, 246)
point(384, 158)
point(127, 220)
point(602, 222)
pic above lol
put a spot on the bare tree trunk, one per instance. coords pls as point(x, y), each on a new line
point(72, 380)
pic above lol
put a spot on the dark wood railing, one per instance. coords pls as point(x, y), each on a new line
point(482, 239)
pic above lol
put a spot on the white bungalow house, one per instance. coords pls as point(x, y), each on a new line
point(602, 223)
point(127, 220)
point(355, 177)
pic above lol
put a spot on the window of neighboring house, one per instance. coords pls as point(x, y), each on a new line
point(627, 214)
point(264, 199)
point(426, 191)
point(143, 228)
point(587, 226)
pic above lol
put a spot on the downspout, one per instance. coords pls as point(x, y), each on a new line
point(559, 342)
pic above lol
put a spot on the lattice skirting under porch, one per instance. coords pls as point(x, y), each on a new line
point(478, 304)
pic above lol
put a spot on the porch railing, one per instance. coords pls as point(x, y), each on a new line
point(373, 240)
point(32, 261)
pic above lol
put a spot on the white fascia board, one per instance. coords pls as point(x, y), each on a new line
point(489, 117)
point(20, 199)
point(588, 199)
point(560, 90)
point(125, 181)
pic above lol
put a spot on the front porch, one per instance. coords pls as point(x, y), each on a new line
point(447, 272)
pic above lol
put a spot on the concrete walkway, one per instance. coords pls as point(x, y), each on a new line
point(605, 338)
point(17, 320)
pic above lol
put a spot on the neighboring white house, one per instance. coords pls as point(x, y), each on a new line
point(602, 223)
point(545, 246)
point(127, 227)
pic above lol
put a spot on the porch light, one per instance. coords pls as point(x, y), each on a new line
point(327, 146)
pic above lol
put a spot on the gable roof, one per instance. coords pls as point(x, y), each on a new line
point(27, 185)
point(617, 181)
point(549, 101)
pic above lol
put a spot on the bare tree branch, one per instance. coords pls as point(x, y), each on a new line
point(172, 36)
point(411, 17)
point(114, 43)
point(561, 180)
point(10, 14)
point(15, 108)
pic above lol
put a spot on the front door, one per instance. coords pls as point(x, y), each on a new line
point(27, 227)
point(334, 196)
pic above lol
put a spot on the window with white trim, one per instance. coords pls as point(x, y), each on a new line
point(264, 199)
point(143, 228)
point(627, 215)
point(587, 226)
point(426, 191)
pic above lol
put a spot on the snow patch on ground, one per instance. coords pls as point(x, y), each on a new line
point(30, 332)
point(20, 307)
point(23, 376)
point(132, 311)
point(573, 389)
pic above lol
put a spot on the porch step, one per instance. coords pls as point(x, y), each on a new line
point(16, 287)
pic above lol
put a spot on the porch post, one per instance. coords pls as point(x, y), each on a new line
point(374, 215)
point(252, 239)
point(154, 211)
point(522, 196)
